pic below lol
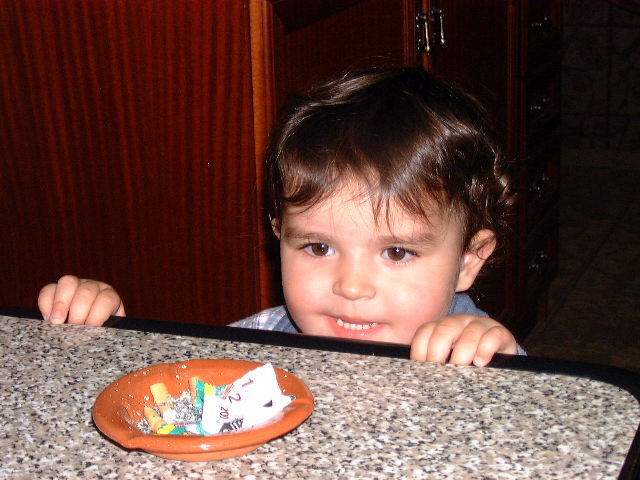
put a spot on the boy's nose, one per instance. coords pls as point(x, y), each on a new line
point(354, 281)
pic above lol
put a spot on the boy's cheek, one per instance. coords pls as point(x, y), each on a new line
point(301, 286)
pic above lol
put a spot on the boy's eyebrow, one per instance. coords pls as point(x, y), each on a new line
point(295, 234)
point(419, 239)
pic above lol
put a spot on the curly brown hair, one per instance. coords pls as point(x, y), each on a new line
point(402, 133)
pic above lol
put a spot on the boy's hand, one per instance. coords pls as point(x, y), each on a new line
point(80, 301)
point(463, 339)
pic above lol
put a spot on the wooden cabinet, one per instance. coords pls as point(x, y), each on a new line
point(134, 131)
point(127, 153)
point(539, 156)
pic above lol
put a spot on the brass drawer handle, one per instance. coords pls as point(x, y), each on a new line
point(539, 262)
point(423, 35)
point(540, 186)
point(438, 15)
point(541, 105)
point(425, 38)
point(545, 23)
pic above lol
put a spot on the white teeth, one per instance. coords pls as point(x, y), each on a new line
point(355, 326)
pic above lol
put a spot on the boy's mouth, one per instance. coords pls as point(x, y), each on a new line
point(355, 326)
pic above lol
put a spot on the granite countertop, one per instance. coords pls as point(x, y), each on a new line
point(375, 417)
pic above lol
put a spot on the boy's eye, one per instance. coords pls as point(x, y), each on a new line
point(397, 254)
point(319, 249)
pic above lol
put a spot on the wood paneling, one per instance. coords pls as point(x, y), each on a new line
point(127, 153)
point(311, 45)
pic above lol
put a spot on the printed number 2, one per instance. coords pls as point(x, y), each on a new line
point(234, 398)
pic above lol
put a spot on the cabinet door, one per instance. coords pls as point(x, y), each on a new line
point(480, 51)
point(474, 46)
point(127, 154)
point(307, 42)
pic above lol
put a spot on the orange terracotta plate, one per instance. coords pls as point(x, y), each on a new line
point(119, 408)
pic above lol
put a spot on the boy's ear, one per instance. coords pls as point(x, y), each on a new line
point(482, 246)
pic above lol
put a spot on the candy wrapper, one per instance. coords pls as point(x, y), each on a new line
point(207, 409)
point(251, 400)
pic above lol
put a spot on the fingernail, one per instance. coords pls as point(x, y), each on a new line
point(56, 320)
point(479, 362)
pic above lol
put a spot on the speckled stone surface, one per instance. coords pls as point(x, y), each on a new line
point(374, 418)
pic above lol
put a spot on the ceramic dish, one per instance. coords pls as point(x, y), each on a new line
point(119, 408)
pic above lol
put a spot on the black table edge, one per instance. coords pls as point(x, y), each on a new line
point(619, 377)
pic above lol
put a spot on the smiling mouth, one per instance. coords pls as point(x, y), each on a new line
point(355, 326)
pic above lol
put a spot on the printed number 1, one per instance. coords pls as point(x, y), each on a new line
point(248, 383)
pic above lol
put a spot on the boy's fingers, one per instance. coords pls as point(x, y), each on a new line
point(420, 342)
point(106, 303)
point(120, 311)
point(495, 340)
point(463, 339)
point(82, 301)
point(433, 341)
point(465, 349)
point(45, 300)
point(62, 298)
point(445, 336)
point(79, 301)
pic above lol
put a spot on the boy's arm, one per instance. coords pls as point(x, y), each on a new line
point(80, 301)
point(462, 340)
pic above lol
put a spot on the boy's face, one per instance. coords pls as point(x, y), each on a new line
point(344, 275)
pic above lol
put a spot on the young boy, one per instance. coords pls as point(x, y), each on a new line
point(387, 194)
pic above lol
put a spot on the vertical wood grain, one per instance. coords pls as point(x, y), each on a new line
point(126, 153)
point(313, 44)
point(264, 112)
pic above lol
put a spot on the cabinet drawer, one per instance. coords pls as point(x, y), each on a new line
point(541, 110)
point(541, 186)
point(541, 262)
point(542, 33)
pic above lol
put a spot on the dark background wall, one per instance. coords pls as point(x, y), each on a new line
point(594, 302)
point(601, 76)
